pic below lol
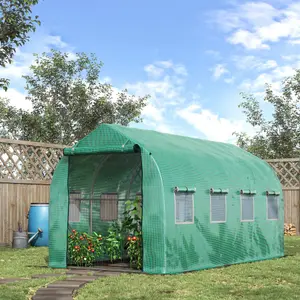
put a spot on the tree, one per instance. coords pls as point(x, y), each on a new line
point(278, 136)
point(16, 23)
point(69, 101)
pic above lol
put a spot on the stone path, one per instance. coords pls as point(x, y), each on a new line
point(77, 278)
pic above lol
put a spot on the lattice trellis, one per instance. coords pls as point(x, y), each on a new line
point(20, 160)
point(288, 171)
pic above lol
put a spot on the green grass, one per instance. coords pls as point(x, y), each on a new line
point(23, 263)
point(272, 279)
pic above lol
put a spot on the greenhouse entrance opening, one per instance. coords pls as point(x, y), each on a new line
point(105, 208)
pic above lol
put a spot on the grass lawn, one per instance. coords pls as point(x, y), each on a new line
point(23, 263)
point(273, 279)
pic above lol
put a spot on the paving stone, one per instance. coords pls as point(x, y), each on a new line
point(105, 274)
point(58, 291)
point(103, 268)
point(83, 278)
point(115, 269)
point(52, 297)
point(46, 275)
point(80, 272)
point(119, 265)
point(66, 284)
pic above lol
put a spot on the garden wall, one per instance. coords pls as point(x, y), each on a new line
point(26, 171)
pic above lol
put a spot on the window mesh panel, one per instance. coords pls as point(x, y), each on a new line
point(247, 208)
point(74, 206)
point(184, 208)
point(218, 208)
point(272, 207)
point(109, 207)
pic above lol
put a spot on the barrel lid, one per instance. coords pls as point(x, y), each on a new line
point(39, 204)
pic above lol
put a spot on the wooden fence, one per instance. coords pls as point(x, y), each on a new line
point(288, 171)
point(25, 176)
point(26, 172)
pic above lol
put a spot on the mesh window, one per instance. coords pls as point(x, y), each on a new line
point(74, 206)
point(273, 208)
point(184, 207)
point(247, 208)
point(109, 207)
point(218, 208)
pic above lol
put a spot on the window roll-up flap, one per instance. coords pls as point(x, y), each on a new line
point(273, 193)
point(184, 189)
point(248, 192)
point(219, 191)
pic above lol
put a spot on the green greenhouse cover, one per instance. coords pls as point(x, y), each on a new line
point(205, 204)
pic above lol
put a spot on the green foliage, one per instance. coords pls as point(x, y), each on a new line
point(85, 249)
point(16, 23)
point(68, 101)
point(135, 250)
point(133, 221)
point(278, 136)
point(113, 243)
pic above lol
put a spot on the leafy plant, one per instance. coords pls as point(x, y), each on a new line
point(113, 243)
point(84, 249)
point(133, 222)
point(135, 252)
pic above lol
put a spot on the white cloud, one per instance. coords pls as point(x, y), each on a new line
point(166, 85)
point(255, 25)
point(250, 62)
point(210, 124)
point(275, 78)
point(55, 40)
point(154, 71)
point(219, 70)
point(247, 39)
point(153, 113)
point(160, 68)
point(16, 98)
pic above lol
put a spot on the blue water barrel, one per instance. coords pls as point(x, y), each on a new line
point(38, 217)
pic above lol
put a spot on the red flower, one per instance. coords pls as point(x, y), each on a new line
point(93, 250)
point(73, 230)
point(128, 239)
point(134, 238)
point(81, 237)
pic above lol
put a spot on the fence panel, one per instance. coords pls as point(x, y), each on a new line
point(288, 172)
point(26, 170)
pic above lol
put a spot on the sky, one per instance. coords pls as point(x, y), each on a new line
point(193, 58)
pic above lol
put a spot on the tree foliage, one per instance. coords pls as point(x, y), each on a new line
point(277, 136)
point(16, 22)
point(68, 101)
